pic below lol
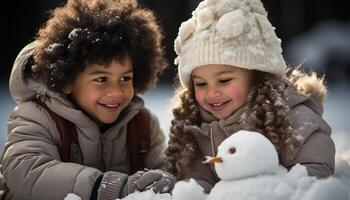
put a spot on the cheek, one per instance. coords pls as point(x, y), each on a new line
point(131, 93)
point(92, 97)
point(128, 93)
point(87, 97)
point(239, 94)
point(88, 93)
point(199, 97)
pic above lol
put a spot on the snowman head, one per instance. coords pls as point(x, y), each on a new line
point(245, 154)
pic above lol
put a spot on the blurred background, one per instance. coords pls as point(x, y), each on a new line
point(315, 33)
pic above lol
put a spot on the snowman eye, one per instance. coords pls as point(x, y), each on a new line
point(232, 150)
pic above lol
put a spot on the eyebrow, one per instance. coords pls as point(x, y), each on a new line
point(98, 72)
point(107, 72)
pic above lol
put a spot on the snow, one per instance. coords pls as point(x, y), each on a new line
point(74, 33)
point(342, 157)
point(252, 171)
point(53, 46)
point(325, 189)
point(260, 187)
point(72, 196)
point(188, 190)
point(148, 195)
point(241, 152)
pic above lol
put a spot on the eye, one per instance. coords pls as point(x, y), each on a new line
point(200, 84)
point(126, 78)
point(101, 79)
point(232, 150)
point(226, 80)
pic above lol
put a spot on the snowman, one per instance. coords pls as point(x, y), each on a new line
point(247, 163)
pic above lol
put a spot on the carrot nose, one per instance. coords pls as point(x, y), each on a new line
point(215, 160)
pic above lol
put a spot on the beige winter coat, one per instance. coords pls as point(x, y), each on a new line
point(317, 152)
point(31, 163)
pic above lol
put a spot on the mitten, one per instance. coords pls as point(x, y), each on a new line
point(158, 180)
point(130, 185)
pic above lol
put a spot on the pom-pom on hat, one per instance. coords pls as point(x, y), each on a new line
point(230, 32)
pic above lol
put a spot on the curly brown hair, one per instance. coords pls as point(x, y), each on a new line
point(267, 113)
point(98, 31)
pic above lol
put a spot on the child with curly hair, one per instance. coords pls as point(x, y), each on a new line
point(87, 65)
point(233, 77)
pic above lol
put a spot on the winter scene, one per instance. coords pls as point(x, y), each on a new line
point(176, 100)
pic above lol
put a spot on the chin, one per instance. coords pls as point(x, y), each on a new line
point(108, 121)
point(222, 116)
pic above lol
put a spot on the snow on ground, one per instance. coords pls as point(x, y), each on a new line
point(326, 189)
point(72, 196)
point(188, 190)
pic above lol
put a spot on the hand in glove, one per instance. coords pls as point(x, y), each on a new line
point(158, 180)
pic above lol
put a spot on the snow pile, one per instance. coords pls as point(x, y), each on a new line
point(183, 190)
point(342, 157)
point(72, 196)
point(148, 195)
point(326, 189)
point(190, 190)
point(342, 169)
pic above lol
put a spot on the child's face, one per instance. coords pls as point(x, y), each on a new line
point(103, 91)
point(221, 89)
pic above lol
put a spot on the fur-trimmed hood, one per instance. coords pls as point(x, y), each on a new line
point(309, 84)
point(24, 88)
point(20, 88)
point(312, 88)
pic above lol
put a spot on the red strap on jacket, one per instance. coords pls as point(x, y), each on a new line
point(139, 139)
point(138, 136)
point(67, 130)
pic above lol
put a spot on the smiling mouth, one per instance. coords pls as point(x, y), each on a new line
point(218, 106)
point(110, 107)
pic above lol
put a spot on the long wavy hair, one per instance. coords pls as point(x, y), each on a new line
point(267, 113)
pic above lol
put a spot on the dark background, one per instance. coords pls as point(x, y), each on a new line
point(20, 21)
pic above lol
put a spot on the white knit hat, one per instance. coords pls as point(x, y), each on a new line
point(231, 32)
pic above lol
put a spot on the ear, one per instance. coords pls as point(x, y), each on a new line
point(67, 89)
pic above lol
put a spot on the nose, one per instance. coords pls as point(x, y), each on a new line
point(213, 160)
point(114, 92)
point(213, 92)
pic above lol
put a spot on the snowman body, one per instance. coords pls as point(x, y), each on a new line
point(272, 187)
point(247, 163)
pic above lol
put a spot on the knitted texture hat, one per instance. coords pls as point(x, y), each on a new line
point(230, 32)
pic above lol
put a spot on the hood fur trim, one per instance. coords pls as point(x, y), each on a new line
point(309, 84)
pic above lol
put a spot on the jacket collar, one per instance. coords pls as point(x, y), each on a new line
point(209, 121)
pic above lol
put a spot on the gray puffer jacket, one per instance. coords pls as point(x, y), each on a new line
point(31, 163)
point(316, 153)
